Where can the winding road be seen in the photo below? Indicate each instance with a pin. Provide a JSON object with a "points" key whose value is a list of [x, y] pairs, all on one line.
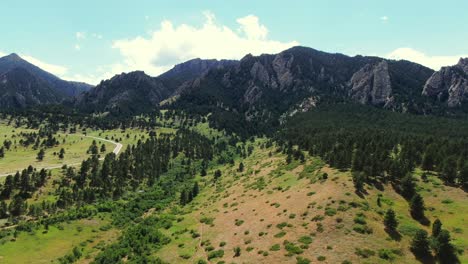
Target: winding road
{"points": [[117, 149]]}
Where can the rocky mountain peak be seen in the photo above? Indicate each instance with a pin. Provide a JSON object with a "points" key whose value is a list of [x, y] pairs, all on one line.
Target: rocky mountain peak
{"points": [[449, 84], [463, 64], [13, 57]]}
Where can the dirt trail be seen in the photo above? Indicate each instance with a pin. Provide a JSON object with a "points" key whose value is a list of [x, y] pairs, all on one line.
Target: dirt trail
{"points": [[117, 149]]}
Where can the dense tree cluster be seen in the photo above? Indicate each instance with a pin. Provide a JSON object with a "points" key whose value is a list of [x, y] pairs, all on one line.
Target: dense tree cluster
{"points": [[382, 145]]}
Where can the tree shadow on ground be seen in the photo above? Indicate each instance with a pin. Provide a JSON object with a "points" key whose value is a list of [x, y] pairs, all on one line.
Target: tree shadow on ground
{"points": [[394, 234]]}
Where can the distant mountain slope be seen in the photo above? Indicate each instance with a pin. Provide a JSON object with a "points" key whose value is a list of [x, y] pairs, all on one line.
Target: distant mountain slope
{"points": [[19, 89], [265, 87], [126, 93], [43, 81], [136, 92], [192, 69]]}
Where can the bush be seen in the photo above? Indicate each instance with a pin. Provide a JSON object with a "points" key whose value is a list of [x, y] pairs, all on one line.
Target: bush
{"points": [[305, 240], [280, 234], [216, 254], [386, 254], [275, 247], [364, 252], [292, 248], [330, 211], [301, 260], [362, 229]]}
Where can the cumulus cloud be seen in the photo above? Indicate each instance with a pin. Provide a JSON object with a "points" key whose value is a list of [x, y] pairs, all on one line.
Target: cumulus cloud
{"points": [[80, 35], [434, 62], [77, 47], [384, 18], [98, 36], [172, 44], [55, 69]]}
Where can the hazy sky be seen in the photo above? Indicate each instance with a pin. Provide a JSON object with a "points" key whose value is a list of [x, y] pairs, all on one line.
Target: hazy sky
{"points": [[90, 40]]}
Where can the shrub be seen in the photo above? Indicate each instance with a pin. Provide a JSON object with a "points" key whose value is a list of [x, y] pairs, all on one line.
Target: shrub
{"points": [[301, 260], [364, 252], [216, 254], [237, 251], [386, 254], [362, 229], [280, 234], [305, 240], [330, 211], [275, 247], [292, 248], [239, 222]]}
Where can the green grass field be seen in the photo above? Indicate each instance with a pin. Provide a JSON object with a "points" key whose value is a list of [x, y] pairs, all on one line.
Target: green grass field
{"points": [[59, 240], [20, 157]]}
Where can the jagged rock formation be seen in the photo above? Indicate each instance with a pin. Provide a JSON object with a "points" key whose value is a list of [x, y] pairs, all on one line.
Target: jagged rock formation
{"points": [[372, 85], [450, 84], [268, 86]]}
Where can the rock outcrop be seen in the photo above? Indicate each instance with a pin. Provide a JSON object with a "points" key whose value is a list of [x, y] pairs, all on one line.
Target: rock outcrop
{"points": [[372, 85], [450, 84]]}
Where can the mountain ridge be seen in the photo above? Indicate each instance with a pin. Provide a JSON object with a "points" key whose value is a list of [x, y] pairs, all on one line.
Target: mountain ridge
{"points": [[57, 88]]}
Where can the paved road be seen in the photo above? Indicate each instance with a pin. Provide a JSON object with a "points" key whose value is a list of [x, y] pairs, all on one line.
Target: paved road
{"points": [[117, 149]]}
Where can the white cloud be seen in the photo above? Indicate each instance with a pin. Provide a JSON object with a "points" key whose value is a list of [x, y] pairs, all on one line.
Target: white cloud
{"points": [[384, 18], [98, 36], [2, 54], [252, 28], [80, 35], [77, 47], [171, 44], [52, 68], [434, 62]]}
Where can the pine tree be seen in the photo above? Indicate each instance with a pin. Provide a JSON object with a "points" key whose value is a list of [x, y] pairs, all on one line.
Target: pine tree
{"points": [[241, 167], [417, 206], [463, 175], [217, 175], [3, 209], [61, 153], [103, 148], [2, 152], [436, 228], [445, 251], [420, 243], [408, 186], [358, 180], [449, 170], [195, 189], [40, 155], [390, 221]]}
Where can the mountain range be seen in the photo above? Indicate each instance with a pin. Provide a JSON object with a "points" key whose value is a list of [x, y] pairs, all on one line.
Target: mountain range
{"points": [[23, 84], [265, 87]]}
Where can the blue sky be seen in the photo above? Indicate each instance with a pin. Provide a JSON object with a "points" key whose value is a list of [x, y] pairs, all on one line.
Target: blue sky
{"points": [[91, 40]]}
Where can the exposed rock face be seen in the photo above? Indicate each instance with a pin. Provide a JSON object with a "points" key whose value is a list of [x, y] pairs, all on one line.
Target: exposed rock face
{"points": [[450, 84], [372, 85], [268, 86]]}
